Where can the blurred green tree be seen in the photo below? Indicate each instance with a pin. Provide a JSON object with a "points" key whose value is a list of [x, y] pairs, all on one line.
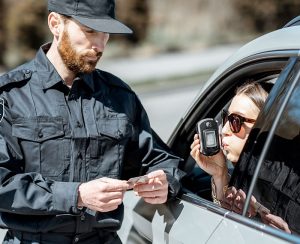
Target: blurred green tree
{"points": [[262, 16], [2, 32], [167, 23], [135, 13], [26, 22], [26, 25]]}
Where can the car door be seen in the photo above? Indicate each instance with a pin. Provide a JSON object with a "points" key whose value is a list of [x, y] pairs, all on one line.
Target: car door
{"points": [[177, 221]]}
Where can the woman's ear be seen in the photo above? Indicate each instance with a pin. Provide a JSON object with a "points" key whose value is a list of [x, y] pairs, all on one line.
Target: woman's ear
{"points": [[54, 23]]}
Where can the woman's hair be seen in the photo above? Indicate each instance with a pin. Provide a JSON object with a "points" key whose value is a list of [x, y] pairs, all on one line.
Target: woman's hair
{"points": [[256, 93]]}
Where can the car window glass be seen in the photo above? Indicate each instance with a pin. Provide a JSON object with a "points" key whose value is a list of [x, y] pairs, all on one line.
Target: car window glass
{"points": [[278, 184]]}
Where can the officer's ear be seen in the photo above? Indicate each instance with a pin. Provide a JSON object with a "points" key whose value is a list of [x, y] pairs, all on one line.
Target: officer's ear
{"points": [[55, 24]]}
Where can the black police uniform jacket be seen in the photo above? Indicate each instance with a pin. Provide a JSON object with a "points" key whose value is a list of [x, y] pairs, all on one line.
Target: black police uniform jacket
{"points": [[52, 138]]}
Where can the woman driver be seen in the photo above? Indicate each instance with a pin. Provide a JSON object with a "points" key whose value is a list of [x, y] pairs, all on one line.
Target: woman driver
{"points": [[237, 124]]}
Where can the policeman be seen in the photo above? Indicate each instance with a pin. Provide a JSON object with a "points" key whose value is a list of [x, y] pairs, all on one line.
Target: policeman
{"points": [[72, 135]]}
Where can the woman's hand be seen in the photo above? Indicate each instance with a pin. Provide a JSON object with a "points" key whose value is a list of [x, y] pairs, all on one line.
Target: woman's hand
{"points": [[235, 200], [276, 222], [214, 165]]}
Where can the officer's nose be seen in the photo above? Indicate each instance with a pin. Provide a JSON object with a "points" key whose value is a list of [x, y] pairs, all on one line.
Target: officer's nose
{"points": [[100, 41]]}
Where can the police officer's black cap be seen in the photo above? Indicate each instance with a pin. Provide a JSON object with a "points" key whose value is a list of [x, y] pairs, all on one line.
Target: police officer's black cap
{"points": [[98, 15]]}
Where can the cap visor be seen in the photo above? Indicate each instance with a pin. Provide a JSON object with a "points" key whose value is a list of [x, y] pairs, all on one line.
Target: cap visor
{"points": [[107, 25]]}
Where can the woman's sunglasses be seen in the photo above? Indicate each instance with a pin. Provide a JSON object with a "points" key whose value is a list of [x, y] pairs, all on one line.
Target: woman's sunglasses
{"points": [[235, 121]]}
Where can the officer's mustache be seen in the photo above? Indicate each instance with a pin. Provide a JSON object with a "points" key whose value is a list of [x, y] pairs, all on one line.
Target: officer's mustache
{"points": [[93, 54]]}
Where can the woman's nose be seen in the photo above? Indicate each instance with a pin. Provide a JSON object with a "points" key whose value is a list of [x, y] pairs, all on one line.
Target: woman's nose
{"points": [[226, 129]]}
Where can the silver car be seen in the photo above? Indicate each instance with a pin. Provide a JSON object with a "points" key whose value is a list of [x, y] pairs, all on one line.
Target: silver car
{"points": [[268, 168]]}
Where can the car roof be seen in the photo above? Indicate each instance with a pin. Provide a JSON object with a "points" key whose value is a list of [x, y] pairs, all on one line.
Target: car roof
{"points": [[279, 40], [285, 39]]}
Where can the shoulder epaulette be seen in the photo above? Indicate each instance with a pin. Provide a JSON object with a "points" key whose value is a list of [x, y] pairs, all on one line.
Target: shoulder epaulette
{"points": [[113, 80], [15, 76]]}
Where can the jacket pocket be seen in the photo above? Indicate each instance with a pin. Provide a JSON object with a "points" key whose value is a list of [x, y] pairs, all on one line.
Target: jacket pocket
{"points": [[117, 128], [107, 148], [38, 129], [44, 147]]}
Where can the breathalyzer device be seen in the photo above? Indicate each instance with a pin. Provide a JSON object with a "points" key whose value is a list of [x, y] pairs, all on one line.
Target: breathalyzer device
{"points": [[208, 132]]}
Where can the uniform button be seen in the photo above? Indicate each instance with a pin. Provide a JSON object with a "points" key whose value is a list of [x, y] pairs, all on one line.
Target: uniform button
{"points": [[76, 239], [40, 134], [79, 124], [27, 73], [82, 217], [119, 133]]}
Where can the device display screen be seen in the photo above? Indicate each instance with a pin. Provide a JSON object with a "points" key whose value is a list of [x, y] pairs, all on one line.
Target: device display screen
{"points": [[210, 138]]}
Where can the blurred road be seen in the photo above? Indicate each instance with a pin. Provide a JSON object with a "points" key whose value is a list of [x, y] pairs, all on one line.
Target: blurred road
{"points": [[167, 100], [166, 107], [164, 66]]}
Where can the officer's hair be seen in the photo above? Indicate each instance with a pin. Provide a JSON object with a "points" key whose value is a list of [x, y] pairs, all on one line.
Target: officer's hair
{"points": [[65, 18]]}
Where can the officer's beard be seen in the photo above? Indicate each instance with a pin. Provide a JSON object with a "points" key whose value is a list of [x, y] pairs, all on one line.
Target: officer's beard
{"points": [[74, 61]]}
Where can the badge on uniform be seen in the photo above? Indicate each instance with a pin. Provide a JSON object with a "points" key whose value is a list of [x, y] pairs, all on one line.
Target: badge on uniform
{"points": [[1, 109]]}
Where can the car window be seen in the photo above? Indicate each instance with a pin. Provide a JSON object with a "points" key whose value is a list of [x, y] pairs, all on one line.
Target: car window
{"points": [[277, 186]]}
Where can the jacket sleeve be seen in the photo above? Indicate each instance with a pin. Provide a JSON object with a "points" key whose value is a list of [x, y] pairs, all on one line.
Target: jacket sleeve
{"points": [[148, 153], [28, 193]]}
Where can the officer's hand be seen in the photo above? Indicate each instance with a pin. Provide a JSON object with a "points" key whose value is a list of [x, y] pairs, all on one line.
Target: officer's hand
{"points": [[155, 191], [104, 194]]}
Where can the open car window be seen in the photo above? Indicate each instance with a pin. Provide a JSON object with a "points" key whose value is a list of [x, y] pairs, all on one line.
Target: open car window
{"points": [[202, 187], [198, 181], [278, 194]]}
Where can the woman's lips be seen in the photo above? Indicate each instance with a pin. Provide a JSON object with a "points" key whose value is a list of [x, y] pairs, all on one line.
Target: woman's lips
{"points": [[224, 145]]}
